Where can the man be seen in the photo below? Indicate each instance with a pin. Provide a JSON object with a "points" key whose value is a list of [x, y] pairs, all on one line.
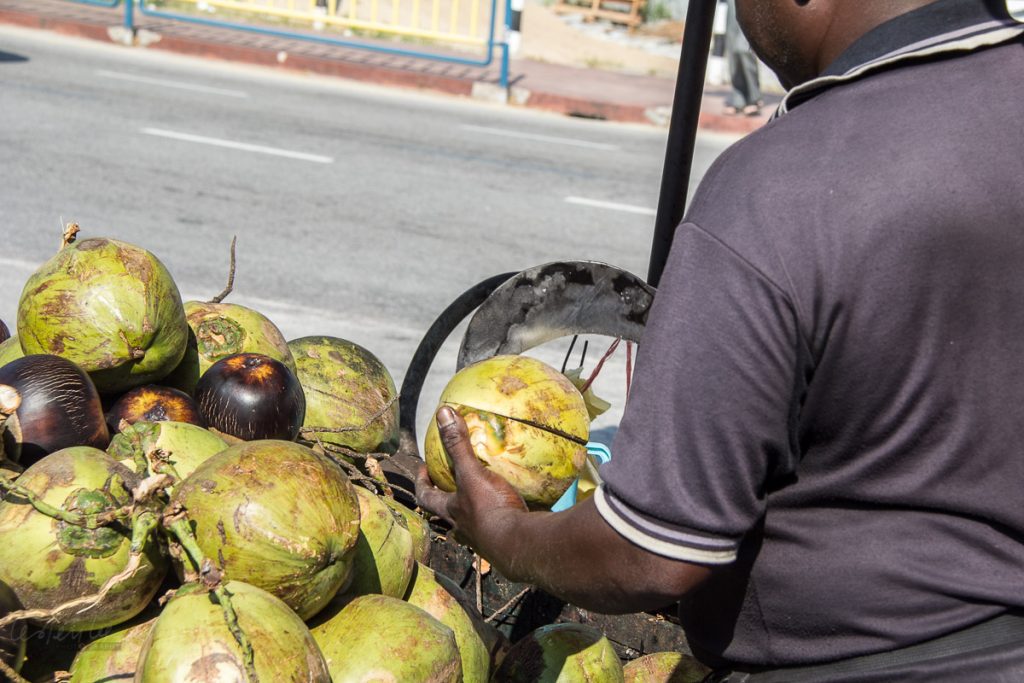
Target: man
{"points": [[745, 96], [821, 457]]}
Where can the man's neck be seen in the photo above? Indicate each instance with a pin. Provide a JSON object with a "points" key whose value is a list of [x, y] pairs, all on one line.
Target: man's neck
{"points": [[852, 20]]}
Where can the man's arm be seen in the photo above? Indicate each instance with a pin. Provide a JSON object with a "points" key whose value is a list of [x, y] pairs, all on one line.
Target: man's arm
{"points": [[574, 555]]}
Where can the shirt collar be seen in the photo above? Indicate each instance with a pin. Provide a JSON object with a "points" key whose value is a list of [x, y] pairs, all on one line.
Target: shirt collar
{"points": [[939, 21], [938, 29]]}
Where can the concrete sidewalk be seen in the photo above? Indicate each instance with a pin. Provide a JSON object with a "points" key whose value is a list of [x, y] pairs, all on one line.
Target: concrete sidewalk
{"points": [[585, 92]]}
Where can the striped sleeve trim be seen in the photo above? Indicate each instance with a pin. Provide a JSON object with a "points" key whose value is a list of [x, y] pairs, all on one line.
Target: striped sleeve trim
{"points": [[660, 539]]}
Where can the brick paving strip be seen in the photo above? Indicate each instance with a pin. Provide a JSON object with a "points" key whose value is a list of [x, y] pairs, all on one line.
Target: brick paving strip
{"points": [[588, 93]]}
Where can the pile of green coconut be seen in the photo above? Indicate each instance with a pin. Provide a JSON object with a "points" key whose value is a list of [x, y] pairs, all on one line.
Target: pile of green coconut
{"points": [[185, 495]]}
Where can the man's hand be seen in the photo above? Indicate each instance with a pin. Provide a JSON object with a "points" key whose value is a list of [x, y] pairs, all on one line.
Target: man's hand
{"points": [[574, 555], [483, 504]]}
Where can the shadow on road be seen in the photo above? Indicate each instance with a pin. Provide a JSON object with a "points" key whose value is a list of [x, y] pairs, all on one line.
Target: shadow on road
{"points": [[11, 57]]}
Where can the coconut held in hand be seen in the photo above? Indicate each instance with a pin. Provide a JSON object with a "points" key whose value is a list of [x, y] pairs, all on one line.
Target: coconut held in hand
{"points": [[110, 307], [526, 421]]}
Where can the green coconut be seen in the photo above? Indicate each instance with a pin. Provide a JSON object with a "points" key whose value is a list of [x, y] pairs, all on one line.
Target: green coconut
{"points": [[108, 306], [665, 667], [219, 330], [417, 526], [380, 638], [48, 563], [561, 653], [347, 388], [494, 640], [12, 636], [10, 350], [429, 595], [384, 559], [113, 656], [191, 640], [181, 445], [276, 515], [519, 412]]}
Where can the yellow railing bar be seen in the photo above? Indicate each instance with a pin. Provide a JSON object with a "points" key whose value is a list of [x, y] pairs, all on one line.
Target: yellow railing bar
{"points": [[415, 13], [453, 20], [356, 23], [474, 16], [373, 11], [435, 16]]}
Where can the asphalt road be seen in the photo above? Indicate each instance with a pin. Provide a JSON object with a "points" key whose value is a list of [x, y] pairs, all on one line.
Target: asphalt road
{"points": [[360, 212]]}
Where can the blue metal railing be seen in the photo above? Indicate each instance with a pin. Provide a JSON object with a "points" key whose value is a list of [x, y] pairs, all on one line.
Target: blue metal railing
{"points": [[99, 3], [491, 44]]}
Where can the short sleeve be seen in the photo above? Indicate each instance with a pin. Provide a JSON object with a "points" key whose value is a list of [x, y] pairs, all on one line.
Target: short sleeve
{"points": [[708, 420]]}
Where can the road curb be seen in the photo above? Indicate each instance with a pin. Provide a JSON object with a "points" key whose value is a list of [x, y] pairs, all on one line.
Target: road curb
{"points": [[477, 86], [77, 29]]}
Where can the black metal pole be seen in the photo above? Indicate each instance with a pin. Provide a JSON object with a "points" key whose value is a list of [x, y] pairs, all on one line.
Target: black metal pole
{"points": [[682, 131]]}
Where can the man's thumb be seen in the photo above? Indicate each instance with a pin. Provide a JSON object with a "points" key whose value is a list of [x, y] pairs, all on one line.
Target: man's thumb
{"points": [[455, 438]]}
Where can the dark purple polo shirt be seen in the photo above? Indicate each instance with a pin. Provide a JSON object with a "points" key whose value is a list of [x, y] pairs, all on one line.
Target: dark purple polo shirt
{"points": [[829, 396]]}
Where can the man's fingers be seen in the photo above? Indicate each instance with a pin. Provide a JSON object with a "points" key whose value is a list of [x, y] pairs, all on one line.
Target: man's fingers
{"points": [[455, 438], [429, 497]]}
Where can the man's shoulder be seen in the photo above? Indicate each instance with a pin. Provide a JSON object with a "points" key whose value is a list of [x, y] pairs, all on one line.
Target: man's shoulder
{"points": [[758, 178], [862, 141]]}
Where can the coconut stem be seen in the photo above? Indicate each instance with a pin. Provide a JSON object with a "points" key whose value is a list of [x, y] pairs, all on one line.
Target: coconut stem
{"points": [[478, 565], [143, 527], [337, 454], [508, 605], [69, 235], [223, 597], [178, 525], [93, 521], [341, 430], [157, 460], [10, 673], [231, 276]]}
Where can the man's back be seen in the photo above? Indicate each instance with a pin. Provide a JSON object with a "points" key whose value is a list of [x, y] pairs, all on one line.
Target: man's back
{"points": [[863, 259], [897, 232]]}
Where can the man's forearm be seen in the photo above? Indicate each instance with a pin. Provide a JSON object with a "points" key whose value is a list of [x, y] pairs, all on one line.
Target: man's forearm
{"points": [[575, 555]]}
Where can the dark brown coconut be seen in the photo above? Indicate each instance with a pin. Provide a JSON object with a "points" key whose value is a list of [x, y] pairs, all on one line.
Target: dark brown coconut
{"points": [[5, 333], [252, 396], [60, 407], [152, 403]]}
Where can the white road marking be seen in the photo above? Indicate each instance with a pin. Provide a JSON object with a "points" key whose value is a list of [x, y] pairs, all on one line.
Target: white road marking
{"points": [[171, 84], [244, 146], [19, 263], [613, 206], [284, 313], [540, 138]]}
